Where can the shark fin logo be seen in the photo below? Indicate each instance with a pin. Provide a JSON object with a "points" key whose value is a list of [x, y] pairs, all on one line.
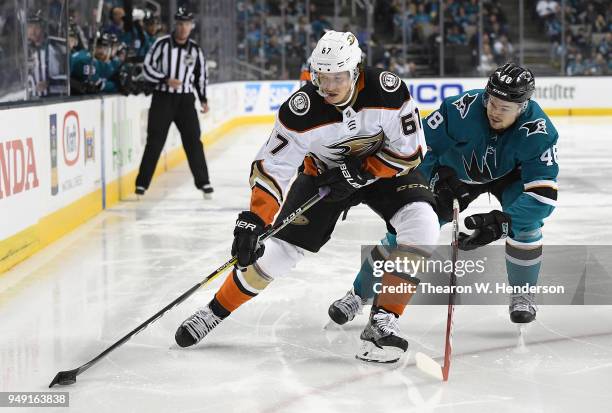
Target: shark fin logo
{"points": [[475, 172], [463, 104], [536, 126]]}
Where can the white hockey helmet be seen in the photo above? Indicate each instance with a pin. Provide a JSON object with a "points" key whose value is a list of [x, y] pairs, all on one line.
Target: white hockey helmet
{"points": [[336, 52]]}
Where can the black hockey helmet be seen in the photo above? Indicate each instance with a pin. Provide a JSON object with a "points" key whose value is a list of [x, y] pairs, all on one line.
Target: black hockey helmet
{"points": [[36, 17], [105, 40], [511, 83], [183, 14]]}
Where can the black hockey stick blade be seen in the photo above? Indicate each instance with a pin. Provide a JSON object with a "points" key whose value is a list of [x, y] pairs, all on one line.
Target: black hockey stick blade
{"points": [[65, 378], [69, 376]]}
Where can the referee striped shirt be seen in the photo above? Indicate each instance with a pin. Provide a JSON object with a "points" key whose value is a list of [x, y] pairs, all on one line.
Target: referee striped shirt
{"points": [[168, 60]]}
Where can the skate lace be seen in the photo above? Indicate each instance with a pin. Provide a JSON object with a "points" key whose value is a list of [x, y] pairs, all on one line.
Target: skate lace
{"points": [[201, 323], [524, 302], [387, 323], [350, 304]]}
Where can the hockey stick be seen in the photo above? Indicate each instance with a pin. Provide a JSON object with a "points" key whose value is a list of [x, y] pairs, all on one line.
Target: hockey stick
{"points": [[69, 376], [423, 361]]}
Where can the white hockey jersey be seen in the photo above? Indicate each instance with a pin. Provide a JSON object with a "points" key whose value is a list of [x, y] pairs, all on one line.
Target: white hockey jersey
{"points": [[381, 125]]}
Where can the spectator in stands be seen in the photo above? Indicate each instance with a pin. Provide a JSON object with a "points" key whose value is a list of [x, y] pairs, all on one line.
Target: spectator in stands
{"points": [[422, 16], [588, 16], [403, 21], [487, 61], [600, 25], [599, 66], [502, 50], [546, 9], [116, 24], [605, 45], [577, 66], [461, 19], [402, 69], [319, 26], [553, 28], [455, 36]]}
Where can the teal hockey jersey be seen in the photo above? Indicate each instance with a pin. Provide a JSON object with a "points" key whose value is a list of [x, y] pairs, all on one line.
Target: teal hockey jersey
{"points": [[458, 136]]}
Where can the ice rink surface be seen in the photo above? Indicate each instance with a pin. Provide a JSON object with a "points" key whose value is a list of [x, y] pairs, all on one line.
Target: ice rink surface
{"points": [[72, 300]]}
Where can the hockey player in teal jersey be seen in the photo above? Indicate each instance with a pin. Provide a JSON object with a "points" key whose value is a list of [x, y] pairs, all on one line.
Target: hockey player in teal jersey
{"points": [[495, 140], [91, 74]]}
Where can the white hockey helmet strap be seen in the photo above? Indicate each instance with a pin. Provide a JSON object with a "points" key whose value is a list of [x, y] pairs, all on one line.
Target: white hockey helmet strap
{"points": [[336, 52]]}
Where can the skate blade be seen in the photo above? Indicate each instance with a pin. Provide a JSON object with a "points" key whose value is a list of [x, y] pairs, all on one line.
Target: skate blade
{"points": [[521, 347], [329, 325], [372, 353]]}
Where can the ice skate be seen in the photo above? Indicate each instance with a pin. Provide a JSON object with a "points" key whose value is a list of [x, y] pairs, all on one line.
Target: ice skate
{"points": [[522, 308], [344, 309], [381, 340], [196, 327]]}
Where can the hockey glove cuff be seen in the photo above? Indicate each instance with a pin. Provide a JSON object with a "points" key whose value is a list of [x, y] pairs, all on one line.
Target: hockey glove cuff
{"points": [[487, 228]]}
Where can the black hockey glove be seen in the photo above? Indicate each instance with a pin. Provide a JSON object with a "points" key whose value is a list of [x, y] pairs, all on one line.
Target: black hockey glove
{"points": [[249, 226], [446, 187], [344, 180], [487, 228]]}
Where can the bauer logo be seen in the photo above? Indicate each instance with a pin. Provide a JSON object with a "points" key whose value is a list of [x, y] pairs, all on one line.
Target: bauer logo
{"points": [[71, 138], [250, 96], [279, 92]]}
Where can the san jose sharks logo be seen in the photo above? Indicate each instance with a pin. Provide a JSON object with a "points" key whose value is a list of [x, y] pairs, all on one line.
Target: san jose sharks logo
{"points": [[476, 172], [536, 126], [463, 104]]}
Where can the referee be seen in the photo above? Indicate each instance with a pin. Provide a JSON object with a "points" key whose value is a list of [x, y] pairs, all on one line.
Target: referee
{"points": [[176, 65]]}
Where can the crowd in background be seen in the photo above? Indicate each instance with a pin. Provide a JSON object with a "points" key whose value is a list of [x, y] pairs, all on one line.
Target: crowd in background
{"points": [[588, 38], [98, 56], [273, 35]]}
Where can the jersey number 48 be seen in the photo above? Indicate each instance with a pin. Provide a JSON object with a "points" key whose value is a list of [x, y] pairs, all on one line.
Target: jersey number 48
{"points": [[550, 156]]}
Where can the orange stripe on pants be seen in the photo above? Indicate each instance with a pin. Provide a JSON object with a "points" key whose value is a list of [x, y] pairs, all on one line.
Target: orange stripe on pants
{"points": [[395, 293], [230, 296]]}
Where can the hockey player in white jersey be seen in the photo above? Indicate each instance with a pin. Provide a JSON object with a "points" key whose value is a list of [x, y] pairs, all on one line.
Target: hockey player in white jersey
{"points": [[357, 131]]}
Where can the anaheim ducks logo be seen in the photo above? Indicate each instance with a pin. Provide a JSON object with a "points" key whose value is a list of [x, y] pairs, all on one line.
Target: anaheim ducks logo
{"points": [[299, 103], [359, 146], [390, 81], [350, 39], [300, 220]]}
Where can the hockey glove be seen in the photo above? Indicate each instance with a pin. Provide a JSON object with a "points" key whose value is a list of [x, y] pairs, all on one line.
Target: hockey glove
{"points": [[249, 226], [446, 187], [487, 228], [344, 180]]}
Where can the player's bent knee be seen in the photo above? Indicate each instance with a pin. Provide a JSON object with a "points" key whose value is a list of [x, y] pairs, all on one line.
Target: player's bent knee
{"points": [[416, 224], [254, 279], [279, 258]]}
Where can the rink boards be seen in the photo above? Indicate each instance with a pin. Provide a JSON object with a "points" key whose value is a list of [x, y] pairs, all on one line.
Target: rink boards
{"points": [[61, 164]]}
